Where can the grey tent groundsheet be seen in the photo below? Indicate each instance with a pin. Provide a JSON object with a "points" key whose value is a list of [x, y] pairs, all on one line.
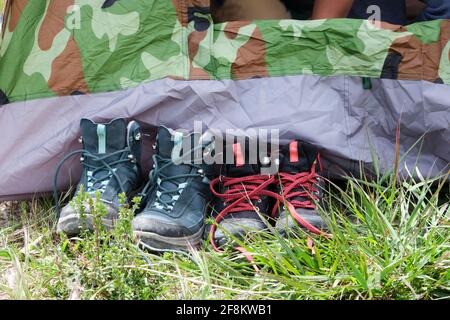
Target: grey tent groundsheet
{"points": [[351, 125]]}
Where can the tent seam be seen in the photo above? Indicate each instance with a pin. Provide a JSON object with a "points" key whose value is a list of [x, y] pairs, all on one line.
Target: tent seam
{"points": [[106, 89]]}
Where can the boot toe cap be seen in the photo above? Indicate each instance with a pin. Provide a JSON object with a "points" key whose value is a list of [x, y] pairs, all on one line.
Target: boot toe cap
{"points": [[286, 222], [237, 228], [71, 223], [160, 225]]}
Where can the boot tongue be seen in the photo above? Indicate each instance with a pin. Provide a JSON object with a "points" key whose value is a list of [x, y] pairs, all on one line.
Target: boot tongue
{"points": [[104, 138], [170, 145], [242, 166], [165, 142], [235, 171], [297, 157]]}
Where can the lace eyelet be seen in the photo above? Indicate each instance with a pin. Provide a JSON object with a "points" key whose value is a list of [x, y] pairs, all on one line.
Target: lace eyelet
{"points": [[138, 136]]}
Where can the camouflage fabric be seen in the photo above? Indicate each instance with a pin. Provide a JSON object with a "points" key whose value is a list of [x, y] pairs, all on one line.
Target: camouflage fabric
{"points": [[69, 47]]}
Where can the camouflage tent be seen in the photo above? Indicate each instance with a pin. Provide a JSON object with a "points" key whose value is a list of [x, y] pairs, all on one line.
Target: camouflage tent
{"points": [[345, 85]]}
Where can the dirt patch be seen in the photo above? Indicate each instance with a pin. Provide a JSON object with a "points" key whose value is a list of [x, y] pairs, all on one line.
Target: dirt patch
{"points": [[9, 211]]}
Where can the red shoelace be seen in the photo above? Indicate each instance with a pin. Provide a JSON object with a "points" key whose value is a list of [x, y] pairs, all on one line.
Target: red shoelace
{"points": [[304, 185], [238, 196], [242, 191]]}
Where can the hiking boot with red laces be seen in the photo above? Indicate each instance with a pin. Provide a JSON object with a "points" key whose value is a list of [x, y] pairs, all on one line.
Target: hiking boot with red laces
{"points": [[300, 185], [242, 198]]}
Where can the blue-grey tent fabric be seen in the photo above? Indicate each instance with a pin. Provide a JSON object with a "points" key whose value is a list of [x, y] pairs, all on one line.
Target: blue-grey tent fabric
{"points": [[353, 127]]}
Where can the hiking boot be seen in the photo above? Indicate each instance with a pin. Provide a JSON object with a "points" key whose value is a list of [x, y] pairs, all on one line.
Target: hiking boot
{"points": [[111, 165], [177, 195], [299, 184], [242, 197]]}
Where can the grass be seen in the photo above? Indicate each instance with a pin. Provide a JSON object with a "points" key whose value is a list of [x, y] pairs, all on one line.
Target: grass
{"points": [[390, 241]]}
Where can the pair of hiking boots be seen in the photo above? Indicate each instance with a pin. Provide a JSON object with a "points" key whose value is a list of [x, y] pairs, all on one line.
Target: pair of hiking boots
{"points": [[183, 191]]}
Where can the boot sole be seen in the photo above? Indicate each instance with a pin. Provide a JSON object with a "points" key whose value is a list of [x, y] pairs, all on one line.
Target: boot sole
{"points": [[167, 243], [72, 224]]}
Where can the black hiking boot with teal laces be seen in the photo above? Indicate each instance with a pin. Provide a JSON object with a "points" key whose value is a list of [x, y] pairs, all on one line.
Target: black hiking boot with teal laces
{"points": [[177, 195], [110, 159], [300, 184]]}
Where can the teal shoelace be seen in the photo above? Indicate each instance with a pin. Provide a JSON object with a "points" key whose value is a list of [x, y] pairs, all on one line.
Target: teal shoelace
{"points": [[100, 163], [165, 198]]}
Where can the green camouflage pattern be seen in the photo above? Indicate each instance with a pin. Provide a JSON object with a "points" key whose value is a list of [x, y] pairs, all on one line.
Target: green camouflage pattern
{"points": [[66, 47]]}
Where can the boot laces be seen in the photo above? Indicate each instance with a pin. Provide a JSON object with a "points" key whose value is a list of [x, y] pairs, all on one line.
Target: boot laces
{"points": [[101, 170], [239, 196], [300, 189], [159, 182], [99, 163], [242, 191]]}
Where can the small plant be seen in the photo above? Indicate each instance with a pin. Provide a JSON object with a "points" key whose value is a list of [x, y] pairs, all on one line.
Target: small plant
{"points": [[388, 243], [108, 262]]}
